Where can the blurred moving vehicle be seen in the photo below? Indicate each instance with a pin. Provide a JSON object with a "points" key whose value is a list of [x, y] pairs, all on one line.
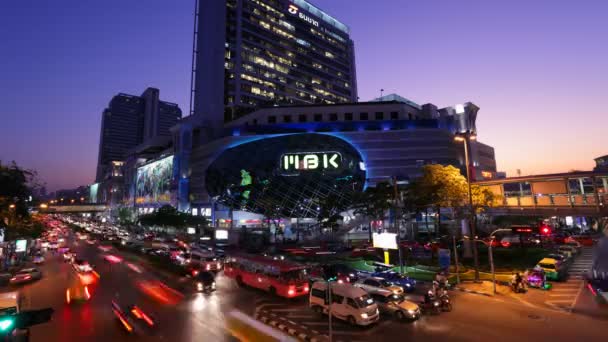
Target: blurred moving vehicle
{"points": [[82, 266], [377, 283], [132, 318], [77, 293], [26, 275], [348, 303], [68, 256], [395, 305], [38, 258], [204, 282]]}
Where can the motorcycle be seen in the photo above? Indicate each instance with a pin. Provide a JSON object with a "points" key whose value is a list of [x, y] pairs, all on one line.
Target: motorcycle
{"points": [[446, 303], [518, 287], [431, 305]]}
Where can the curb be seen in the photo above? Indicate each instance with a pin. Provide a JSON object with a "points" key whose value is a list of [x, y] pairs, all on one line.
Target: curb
{"points": [[284, 328]]}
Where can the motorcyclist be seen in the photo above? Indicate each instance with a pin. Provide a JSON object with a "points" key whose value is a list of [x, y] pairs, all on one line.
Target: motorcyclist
{"points": [[429, 296], [516, 281]]}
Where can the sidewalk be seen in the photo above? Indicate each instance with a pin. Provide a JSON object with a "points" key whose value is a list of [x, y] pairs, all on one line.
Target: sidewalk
{"points": [[484, 288]]}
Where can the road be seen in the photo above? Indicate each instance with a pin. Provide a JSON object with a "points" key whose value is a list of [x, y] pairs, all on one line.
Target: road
{"points": [[201, 317], [194, 317]]}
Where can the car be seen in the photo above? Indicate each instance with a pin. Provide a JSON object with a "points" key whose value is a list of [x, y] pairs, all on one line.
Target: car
{"points": [[341, 272], [567, 250], [576, 245], [38, 259], [585, 240], [553, 269], [68, 256], [376, 283], [25, 275], [204, 282], [82, 266], [77, 292], [395, 305], [348, 302], [407, 283], [561, 258]]}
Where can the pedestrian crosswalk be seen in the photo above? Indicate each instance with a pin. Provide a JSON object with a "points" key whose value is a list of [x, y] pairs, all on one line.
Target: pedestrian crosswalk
{"points": [[563, 295], [581, 264]]}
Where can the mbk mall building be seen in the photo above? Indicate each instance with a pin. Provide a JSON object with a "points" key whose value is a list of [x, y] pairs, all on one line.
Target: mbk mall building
{"points": [[276, 123]]}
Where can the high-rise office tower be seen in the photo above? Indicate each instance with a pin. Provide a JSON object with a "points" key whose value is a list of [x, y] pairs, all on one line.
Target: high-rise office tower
{"points": [[129, 121], [253, 53]]}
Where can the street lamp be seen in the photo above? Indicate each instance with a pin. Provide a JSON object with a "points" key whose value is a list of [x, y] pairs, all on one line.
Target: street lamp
{"points": [[492, 255], [466, 138], [490, 251]]}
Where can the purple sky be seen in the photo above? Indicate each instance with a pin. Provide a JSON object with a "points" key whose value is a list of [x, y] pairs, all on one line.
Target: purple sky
{"points": [[537, 69]]}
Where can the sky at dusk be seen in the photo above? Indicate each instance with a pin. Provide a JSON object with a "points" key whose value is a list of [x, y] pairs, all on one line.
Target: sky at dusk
{"points": [[537, 69]]}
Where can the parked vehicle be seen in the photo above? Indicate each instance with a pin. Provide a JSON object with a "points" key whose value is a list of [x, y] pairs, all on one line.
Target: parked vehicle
{"points": [[348, 303]]}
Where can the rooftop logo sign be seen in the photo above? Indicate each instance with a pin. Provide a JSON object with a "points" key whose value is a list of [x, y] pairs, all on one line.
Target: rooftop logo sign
{"points": [[309, 161], [293, 9]]}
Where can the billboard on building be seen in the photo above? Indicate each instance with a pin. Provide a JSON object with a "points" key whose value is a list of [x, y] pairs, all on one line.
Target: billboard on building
{"points": [[154, 183], [93, 188]]}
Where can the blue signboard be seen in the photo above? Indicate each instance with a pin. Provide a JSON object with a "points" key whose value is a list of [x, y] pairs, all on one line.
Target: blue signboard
{"points": [[444, 258]]}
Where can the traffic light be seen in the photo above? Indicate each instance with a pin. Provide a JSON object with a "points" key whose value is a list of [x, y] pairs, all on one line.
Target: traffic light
{"points": [[7, 324], [545, 230]]}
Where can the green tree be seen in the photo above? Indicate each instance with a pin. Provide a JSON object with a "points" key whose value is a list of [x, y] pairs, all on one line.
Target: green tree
{"points": [[168, 216], [14, 192], [373, 203]]}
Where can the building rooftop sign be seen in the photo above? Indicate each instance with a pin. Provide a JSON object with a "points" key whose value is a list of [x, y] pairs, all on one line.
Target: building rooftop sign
{"points": [[326, 18]]}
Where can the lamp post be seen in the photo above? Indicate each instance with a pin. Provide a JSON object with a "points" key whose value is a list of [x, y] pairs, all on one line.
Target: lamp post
{"points": [[492, 256], [456, 260], [466, 138]]}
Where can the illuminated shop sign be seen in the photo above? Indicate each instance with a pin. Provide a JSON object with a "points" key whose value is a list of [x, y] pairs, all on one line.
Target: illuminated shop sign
{"points": [[293, 9], [305, 161]]}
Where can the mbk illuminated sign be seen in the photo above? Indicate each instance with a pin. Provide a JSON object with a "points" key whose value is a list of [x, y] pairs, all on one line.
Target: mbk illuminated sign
{"points": [[293, 9], [311, 161]]}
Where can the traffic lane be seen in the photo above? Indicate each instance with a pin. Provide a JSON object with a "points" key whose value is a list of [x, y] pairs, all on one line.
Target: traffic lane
{"points": [[90, 320], [195, 316], [479, 318]]}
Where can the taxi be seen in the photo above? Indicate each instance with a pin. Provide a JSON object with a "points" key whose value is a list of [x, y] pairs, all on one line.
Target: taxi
{"points": [[552, 268]]}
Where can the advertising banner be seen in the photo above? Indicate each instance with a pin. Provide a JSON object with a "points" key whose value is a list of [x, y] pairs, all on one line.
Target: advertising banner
{"points": [[385, 240]]}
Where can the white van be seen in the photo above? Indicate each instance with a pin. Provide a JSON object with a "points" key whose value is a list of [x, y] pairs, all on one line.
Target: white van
{"points": [[349, 303]]}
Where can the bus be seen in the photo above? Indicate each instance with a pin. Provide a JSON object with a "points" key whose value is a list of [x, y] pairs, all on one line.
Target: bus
{"points": [[279, 277]]}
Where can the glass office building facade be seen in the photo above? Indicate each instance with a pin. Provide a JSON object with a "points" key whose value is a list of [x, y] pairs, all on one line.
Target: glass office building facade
{"points": [[272, 52]]}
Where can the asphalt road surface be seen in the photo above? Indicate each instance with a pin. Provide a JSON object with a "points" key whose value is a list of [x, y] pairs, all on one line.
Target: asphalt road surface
{"points": [[183, 318], [186, 316]]}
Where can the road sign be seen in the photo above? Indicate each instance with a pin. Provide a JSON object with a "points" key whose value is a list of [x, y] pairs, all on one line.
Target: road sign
{"points": [[444, 258]]}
